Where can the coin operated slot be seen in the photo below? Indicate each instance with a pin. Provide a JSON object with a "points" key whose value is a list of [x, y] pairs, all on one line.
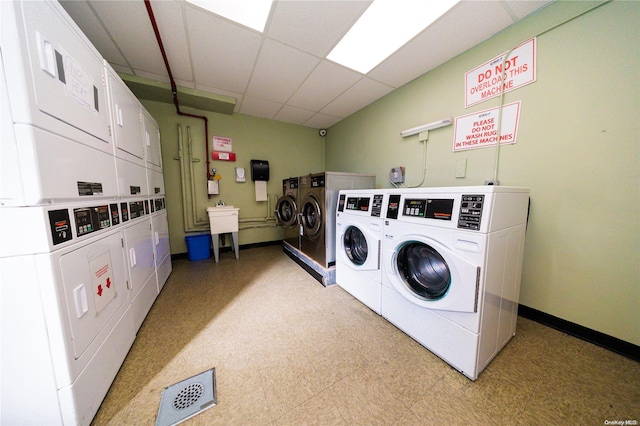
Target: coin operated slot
{"points": [[60, 226]]}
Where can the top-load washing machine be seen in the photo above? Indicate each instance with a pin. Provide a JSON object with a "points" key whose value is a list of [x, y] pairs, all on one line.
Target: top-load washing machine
{"points": [[359, 226], [452, 261], [319, 197], [287, 210]]}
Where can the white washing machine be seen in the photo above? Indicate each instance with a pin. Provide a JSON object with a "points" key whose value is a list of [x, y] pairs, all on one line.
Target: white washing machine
{"points": [[452, 261], [359, 226]]}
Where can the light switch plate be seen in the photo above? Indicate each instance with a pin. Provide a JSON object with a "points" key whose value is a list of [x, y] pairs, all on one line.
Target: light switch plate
{"points": [[461, 168]]}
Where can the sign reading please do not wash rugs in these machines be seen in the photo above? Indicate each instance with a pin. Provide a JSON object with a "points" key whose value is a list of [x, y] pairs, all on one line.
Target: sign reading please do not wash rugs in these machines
{"points": [[482, 129]]}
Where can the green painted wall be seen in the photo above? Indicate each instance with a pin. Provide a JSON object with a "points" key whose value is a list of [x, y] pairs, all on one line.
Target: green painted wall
{"points": [[290, 150], [578, 150]]}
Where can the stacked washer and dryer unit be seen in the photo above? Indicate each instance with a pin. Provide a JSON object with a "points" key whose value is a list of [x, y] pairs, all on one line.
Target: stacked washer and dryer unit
{"points": [[85, 247], [450, 266]]}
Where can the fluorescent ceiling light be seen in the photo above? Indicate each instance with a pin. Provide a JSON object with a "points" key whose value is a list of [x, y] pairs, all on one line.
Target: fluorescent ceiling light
{"points": [[383, 28], [250, 13]]}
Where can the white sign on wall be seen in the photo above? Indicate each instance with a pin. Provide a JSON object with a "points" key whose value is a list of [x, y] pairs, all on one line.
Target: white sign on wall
{"points": [[222, 144], [480, 129], [484, 81]]}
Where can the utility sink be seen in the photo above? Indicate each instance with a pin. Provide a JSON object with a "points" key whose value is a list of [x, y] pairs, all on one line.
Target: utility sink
{"points": [[223, 220]]}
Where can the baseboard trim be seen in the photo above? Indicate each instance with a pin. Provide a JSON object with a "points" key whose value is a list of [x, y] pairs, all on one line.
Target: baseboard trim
{"points": [[597, 338], [228, 248]]}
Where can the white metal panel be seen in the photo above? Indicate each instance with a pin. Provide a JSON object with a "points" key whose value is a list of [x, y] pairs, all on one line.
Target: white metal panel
{"points": [[151, 140], [139, 252], [156, 183], [126, 120], [132, 179], [24, 326], [55, 72], [94, 283]]}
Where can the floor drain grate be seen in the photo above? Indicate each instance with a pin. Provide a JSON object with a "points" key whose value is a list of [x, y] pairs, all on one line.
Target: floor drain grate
{"points": [[187, 398]]}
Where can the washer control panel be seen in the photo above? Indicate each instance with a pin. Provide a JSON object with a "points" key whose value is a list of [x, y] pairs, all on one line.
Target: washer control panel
{"points": [[470, 212]]}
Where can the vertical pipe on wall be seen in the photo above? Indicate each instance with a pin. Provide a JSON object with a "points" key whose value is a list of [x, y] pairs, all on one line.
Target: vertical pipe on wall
{"points": [[174, 87]]}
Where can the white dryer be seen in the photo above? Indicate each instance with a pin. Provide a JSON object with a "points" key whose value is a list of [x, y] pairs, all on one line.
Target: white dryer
{"points": [[452, 260], [65, 310], [359, 225]]}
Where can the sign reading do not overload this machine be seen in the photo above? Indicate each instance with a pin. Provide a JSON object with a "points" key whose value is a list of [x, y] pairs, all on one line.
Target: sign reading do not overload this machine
{"points": [[484, 81]]}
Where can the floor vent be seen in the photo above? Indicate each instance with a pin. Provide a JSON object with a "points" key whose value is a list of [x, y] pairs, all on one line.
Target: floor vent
{"points": [[187, 398]]}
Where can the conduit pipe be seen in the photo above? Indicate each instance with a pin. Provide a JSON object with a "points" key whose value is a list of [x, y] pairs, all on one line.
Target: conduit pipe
{"points": [[174, 88], [504, 74], [191, 223]]}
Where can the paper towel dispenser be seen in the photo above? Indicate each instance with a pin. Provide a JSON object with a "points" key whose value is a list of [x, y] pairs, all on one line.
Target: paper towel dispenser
{"points": [[259, 170]]}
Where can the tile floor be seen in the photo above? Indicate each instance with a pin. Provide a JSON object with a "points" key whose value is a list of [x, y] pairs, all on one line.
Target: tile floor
{"points": [[288, 351]]}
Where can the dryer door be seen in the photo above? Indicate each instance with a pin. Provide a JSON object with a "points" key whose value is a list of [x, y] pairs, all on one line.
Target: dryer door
{"points": [[287, 211], [312, 217]]}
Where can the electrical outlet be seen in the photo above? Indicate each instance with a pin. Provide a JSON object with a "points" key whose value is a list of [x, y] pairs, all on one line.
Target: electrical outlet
{"points": [[396, 175]]}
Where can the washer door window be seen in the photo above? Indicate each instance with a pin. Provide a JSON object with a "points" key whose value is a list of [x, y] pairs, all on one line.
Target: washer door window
{"points": [[355, 245], [311, 217], [286, 211], [423, 270]]}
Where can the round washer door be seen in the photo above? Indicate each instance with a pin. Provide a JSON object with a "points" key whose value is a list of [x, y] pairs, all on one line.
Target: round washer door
{"points": [[423, 270], [355, 245], [311, 216], [286, 211]]}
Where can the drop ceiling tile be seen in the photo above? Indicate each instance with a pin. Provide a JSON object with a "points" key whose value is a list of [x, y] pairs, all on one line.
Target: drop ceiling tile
{"points": [[259, 107], [223, 53], [293, 115], [523, 8], [88, 22], [442, 41], [152, 76], [122, 69], [129, 26], [357, 97], [279, 71], [315, 93], [313, 26], [322, 121], [170, 21]]}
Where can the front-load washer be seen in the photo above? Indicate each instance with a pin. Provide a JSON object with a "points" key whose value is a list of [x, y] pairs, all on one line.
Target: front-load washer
{"points": [[452, 261], [319, 198], [287, 210], [359, 225]]}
